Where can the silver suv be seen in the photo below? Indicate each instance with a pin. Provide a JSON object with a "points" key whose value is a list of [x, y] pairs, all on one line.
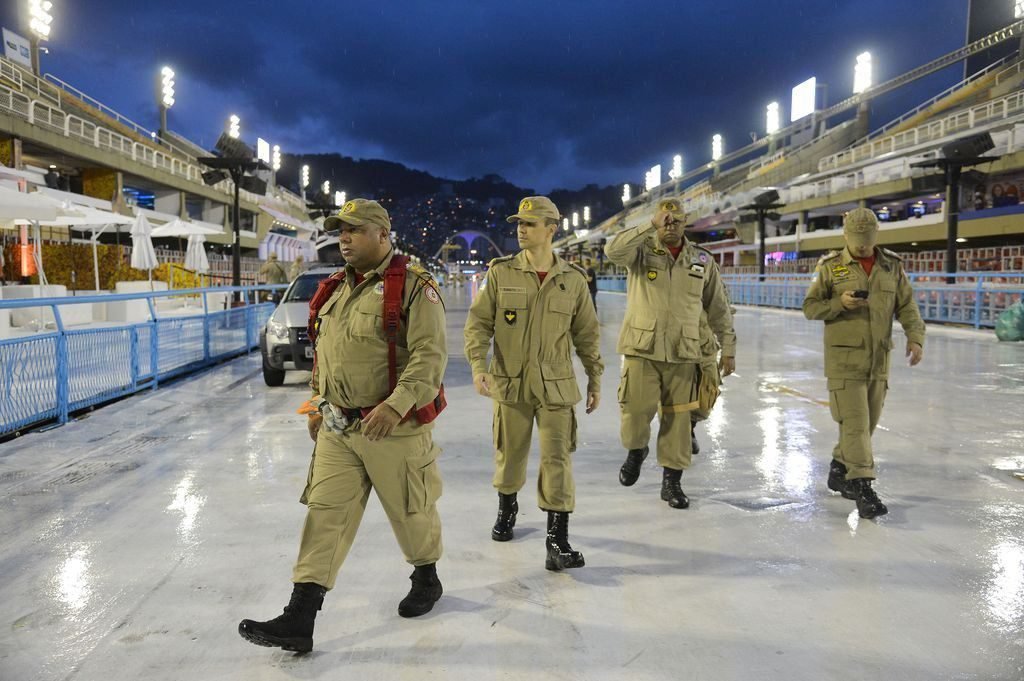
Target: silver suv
{"points": [[284, 343]]}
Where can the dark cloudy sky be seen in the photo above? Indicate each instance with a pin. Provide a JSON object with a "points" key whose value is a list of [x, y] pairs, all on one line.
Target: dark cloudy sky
{"points": [[552, 93]]}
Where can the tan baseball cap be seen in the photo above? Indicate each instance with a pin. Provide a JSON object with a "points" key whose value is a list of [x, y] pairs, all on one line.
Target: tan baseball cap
{"points": [[860, 226], [535, 208], [359, 212]]}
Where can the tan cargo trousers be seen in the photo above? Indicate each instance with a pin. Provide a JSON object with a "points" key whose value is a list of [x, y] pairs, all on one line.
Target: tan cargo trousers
{"points": [[402, 470], [856, 406], [513, 430], [647, 385]]}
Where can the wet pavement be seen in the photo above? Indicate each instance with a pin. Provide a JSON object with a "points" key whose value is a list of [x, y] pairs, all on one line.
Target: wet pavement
{"points": [[134, 540]]}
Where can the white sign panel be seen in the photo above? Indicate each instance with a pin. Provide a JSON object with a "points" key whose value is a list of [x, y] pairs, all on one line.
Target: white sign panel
{"points": [[804, 96], [263, 150], [16, 48]]}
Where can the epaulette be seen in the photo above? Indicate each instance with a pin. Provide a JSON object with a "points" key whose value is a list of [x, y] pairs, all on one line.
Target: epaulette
{"points": [[504, 258], [701, 248], [828, 256], [892, 255], [425, 277], [577, 268]]}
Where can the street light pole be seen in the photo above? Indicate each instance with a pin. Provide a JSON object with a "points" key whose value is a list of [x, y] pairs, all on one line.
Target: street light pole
{"points": [[166, 99], [39, 24], [764, 204], [236, 224]]}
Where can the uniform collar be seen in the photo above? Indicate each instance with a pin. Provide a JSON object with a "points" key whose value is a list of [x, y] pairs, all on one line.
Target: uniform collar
{"points": [[521, 263], [848, 257], [658, 247], [378, 270]]}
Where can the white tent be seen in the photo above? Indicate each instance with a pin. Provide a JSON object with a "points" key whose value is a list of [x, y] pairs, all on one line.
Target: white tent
{"points": [[143, 253]]}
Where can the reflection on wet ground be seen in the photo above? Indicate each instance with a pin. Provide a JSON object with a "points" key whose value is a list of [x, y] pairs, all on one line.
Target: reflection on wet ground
{"points": [[136, 538]]}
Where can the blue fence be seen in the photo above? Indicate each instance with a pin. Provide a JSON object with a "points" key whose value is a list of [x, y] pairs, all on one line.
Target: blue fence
{"points": [[46, 375], [975, 299]]}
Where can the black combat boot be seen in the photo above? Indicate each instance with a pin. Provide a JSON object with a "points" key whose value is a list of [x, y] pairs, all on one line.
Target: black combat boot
{"points": [[671, 491], [508, 507], [837, 480], [868, 504], [560, 555], [293, 629], [694, 445], [426, 589], [630, 470]]}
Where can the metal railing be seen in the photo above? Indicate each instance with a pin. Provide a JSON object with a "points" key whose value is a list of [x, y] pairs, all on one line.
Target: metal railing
{"points": [[976, 299], [47, 375], [970, 80], [967, 119], [49, 114]]}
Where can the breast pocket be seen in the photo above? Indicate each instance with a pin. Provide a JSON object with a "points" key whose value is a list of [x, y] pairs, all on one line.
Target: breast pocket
{"points": [[511, 311], [364, 324], [560, 317], [694, 284]]}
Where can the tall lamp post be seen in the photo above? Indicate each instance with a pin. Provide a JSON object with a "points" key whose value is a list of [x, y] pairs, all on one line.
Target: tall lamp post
{"points": [[166, 98], [236, 161], [957, 155], [717, 150], [304, 181], [764, 206], [39, 25]]}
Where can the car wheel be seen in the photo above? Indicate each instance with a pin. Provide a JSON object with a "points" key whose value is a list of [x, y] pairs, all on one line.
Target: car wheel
{"points": [[271, 376]]}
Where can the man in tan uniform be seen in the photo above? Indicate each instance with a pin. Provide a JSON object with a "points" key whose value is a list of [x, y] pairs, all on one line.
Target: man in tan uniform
{"points": [[297, 268], [273, 272], [367, 438], [671, 282], [857, 292], [536, 307]]}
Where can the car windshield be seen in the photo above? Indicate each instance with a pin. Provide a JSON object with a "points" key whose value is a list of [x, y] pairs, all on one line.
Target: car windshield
{"points": [[304, 287]]}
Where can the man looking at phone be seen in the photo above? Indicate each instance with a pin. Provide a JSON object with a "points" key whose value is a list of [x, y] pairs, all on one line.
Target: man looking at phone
{"points": [[857, 291]]}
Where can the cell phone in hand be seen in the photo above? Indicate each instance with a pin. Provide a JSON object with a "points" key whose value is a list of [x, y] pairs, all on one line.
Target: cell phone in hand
{"points": [[860, 293]]}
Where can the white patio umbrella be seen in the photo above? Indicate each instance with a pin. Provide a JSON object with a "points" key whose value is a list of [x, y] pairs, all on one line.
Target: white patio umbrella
{"points": [[16, 205], [96, 221], [179, 228], [195, 256], [35, 209], [143, 253]]}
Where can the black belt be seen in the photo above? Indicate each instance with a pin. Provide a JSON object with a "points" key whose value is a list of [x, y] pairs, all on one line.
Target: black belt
{"points": [[351, 414]]}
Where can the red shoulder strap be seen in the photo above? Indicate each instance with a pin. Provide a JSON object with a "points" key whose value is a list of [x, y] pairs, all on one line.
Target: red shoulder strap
{"points": [[394, 287], [324, 291]]}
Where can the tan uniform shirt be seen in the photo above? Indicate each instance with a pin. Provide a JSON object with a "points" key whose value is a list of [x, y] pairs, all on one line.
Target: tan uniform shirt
{"points": [[857, 342], [274, 272], [534, 328], [352, 354], [665, 299]]}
